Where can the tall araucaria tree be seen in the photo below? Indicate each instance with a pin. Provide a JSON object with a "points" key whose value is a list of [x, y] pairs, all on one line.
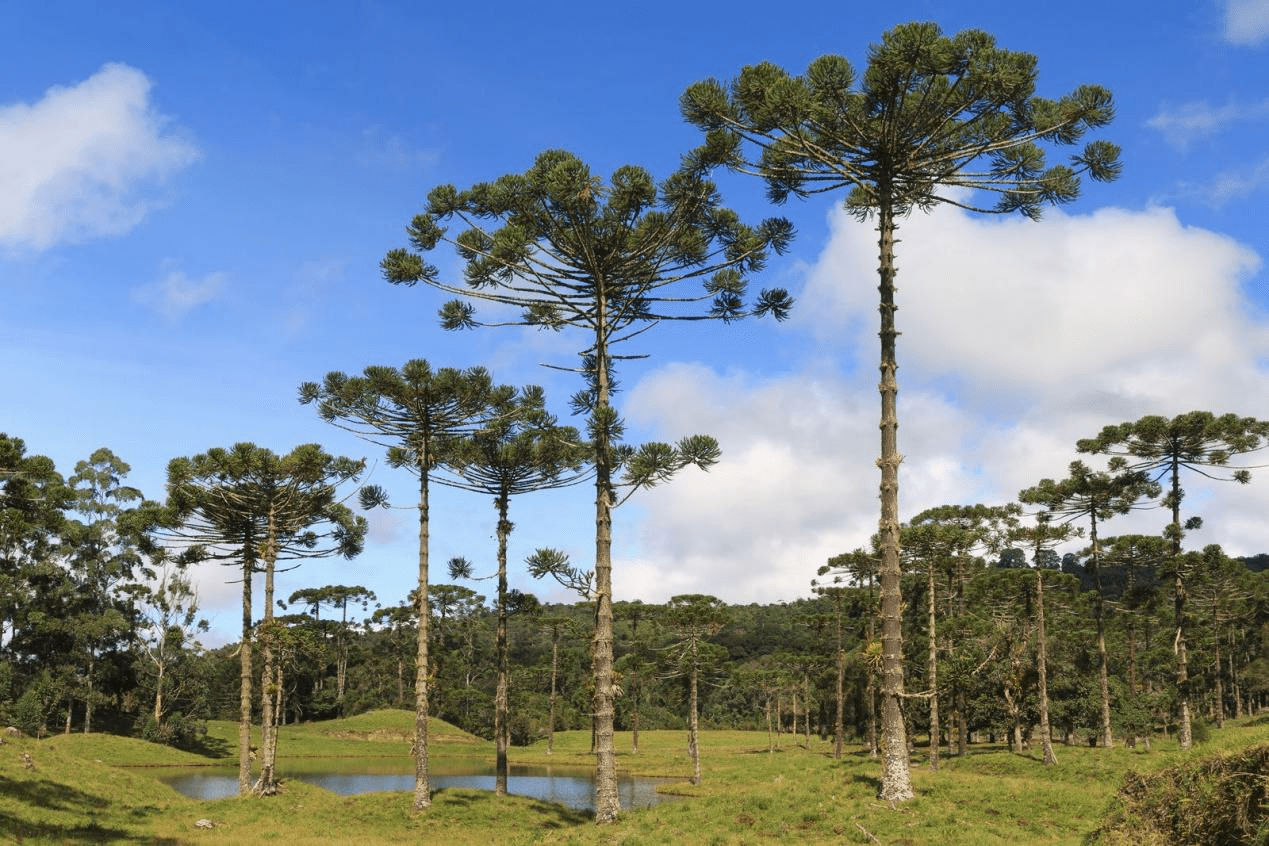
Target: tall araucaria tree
{"points": [[524, 450], [1098, 496], [1203, 443], [947, 537], [1042, 538], [417, 414], [612, 259], [933, 120], [249, 507], [694, 617]]}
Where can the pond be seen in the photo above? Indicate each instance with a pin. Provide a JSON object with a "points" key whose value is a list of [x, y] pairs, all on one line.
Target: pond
{"points": [[570, 786]]}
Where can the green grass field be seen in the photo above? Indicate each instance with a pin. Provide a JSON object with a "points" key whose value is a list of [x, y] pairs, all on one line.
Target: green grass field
{"points": [[103, 789]]}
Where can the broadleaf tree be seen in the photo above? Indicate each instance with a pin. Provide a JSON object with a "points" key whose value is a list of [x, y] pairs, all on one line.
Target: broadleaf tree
{"points": [[934, 120], [565, 249]]}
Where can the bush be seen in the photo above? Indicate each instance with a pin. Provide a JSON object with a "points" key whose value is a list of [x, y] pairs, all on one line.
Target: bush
{"points": [[1218, 800]]}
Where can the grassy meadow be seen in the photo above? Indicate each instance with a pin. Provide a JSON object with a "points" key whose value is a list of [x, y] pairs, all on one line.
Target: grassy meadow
{"points": [[102, 789]]}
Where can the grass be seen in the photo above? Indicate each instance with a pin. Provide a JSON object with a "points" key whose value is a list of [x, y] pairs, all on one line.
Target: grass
{"points": [[99, 789]]}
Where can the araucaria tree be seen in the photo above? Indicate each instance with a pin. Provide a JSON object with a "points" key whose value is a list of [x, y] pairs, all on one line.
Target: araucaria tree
{"points": [[1097, 496], [934, 120], [523, 450], [1200, 442], [417, 414], [611, 259], [249, 507], [694, 617]]}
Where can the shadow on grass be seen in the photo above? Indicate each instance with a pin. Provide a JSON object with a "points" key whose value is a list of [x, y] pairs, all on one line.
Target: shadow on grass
{"points": [[551, 814], [51, 796], [211, 747]]}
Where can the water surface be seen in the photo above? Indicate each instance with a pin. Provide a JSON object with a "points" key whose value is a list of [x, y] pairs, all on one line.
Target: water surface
{"points": [[570, 786]]}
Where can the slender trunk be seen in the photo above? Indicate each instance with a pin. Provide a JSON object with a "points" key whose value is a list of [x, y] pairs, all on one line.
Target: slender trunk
{"points": [[636, 692], [607, 801], [806, 708], [896, 780], [1185, 736], [500, 696], [266, 784], [839, 721], [88, 700], [770, 729], [693, 745], [870, 686], [422, 790], [158, 695], [1042, 667], [932, 665], [555, 665], [1220, 684], [962, 723], [1103, 674], [244, 681]]}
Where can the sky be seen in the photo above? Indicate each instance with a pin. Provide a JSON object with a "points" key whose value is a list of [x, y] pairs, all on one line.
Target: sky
{"points": [[194, 200]]}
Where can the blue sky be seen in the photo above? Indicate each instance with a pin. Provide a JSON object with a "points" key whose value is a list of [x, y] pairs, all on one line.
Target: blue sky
{"points": [[194, 200]]}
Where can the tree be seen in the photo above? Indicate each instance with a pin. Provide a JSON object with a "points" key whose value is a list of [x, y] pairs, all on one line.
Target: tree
{"points": [[1097, 496], [1042, 537], [250, 507], [1198, 441], [416, 414], [169, 627], [336, 597], [104, 550], [523, 450], [947, 536], [934, 120], [612, 260], [694, 617]]}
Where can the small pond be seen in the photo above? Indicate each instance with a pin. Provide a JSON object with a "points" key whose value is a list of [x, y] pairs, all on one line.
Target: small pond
{"points": [[570, 786]]}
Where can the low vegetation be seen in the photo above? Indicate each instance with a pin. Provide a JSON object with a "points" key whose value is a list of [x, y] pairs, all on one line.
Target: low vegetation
{"points": [[98, 788]]}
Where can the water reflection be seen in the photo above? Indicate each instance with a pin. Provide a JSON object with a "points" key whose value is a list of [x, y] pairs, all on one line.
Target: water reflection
{"points": [[568, 786]]}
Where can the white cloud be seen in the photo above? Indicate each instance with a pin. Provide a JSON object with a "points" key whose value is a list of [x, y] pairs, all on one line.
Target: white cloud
{"points": [[1246, 21], [176, 294], [1229, 185], [1189, 122], [73, 164], [1018, 339]]}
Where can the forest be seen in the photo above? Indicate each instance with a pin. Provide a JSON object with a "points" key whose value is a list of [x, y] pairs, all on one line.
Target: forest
{"points": [[101, 633], [1030, 621]]}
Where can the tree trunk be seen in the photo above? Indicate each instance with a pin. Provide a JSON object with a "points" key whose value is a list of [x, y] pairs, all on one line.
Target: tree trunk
{"points": [[555, 664], [422, 790], [1185, 736], [1103, 673], [839, 720], [693, 746], [932, 667], [607, 801], [896, 780], [244, 682], [266, 784], [500, 638], [1042, 668]]}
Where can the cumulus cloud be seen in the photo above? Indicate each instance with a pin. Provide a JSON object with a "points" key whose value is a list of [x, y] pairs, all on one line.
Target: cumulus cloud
{"points": [[1246, 21], [1018, 339], [176, 294], [76, 164]]}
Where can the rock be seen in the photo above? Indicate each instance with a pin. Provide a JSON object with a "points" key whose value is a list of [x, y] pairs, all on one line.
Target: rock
{"points": [[204, 823]]}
